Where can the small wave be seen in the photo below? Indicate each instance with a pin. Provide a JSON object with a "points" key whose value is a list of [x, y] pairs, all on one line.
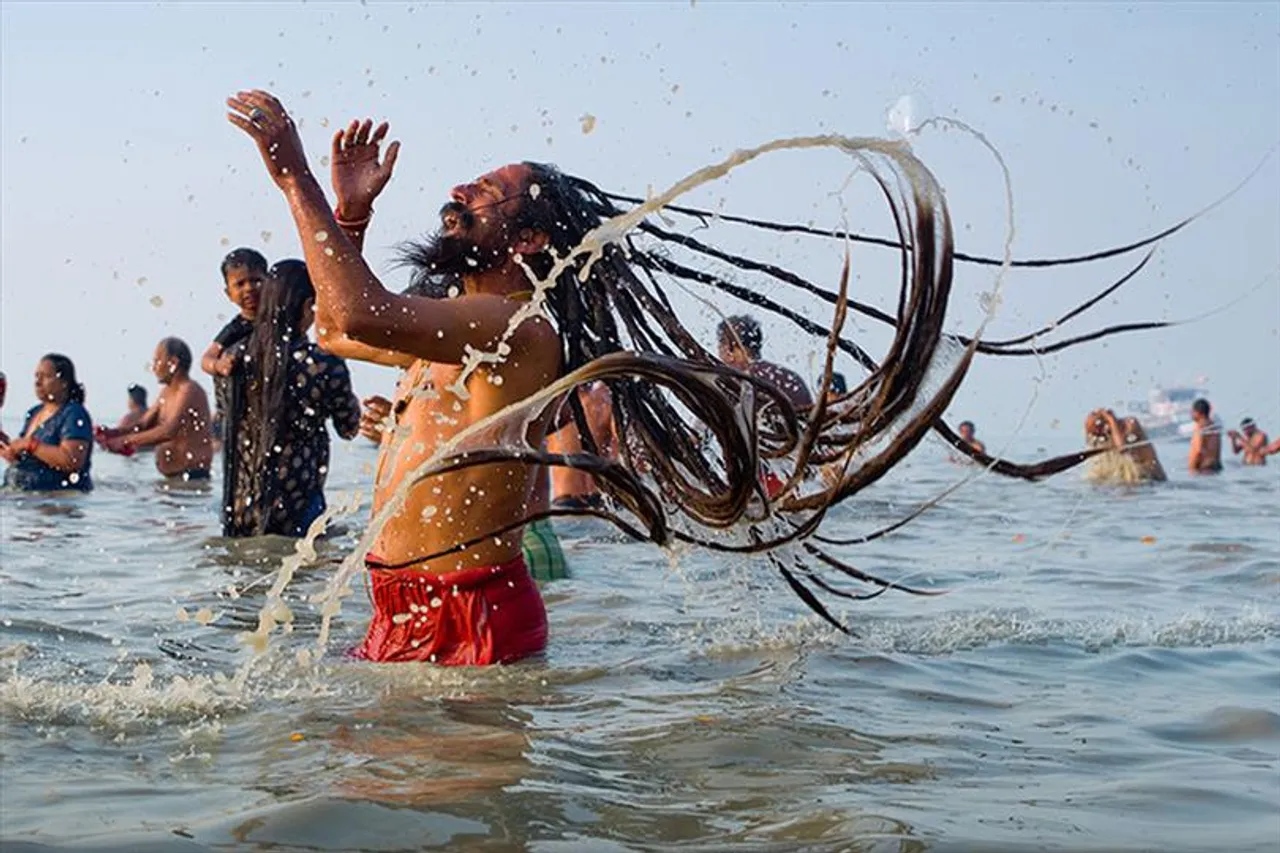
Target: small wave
{"points": [[965, 631], [1224, 725], [119, 705], [142, 699]]}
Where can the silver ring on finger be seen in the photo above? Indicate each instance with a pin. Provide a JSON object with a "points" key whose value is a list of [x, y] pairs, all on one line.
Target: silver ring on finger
{"points": [[256, 115]]}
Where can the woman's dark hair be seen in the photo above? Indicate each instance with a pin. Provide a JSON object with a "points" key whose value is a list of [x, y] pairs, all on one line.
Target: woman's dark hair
{"points": [[276, 334], [249, 259], [66, 371], [138, 395]]}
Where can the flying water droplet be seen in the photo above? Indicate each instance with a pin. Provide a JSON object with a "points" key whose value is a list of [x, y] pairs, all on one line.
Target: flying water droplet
{"points": [[908, 114]]}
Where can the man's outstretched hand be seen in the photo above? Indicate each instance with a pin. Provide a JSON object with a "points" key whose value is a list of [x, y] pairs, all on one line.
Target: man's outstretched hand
{"points": [[261, 116], [358, 177]]}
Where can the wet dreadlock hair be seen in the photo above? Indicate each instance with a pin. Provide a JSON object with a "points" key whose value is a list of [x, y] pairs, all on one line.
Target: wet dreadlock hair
{"points": [[692, 437]]}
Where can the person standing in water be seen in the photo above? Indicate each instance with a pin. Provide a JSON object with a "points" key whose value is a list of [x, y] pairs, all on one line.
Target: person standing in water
{"points": [[448, 579], [572, 488], [242, 273], [1250, 441], [1205, 456], [968, 434], [478, 605], [55, 447], [177, 426], [741, 345], [740, 342], [1132, 458], [274, 479], [137, 408]]}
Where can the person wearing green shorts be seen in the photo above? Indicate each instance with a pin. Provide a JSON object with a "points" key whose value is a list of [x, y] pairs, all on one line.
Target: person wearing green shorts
{"points": [[542, 552]]}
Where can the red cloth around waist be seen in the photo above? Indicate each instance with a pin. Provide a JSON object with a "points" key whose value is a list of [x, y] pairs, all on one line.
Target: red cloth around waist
{"points": [[471, 617]]}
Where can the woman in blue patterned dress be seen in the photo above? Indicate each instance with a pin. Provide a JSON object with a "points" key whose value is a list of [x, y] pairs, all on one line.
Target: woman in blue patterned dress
{"points": [[53, 450]]}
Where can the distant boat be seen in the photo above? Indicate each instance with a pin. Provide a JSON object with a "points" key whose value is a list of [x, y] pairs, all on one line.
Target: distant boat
{"points": [[1167, 411]]}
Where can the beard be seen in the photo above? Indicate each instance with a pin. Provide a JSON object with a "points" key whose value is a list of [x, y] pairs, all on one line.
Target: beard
{"points": [[453, 254], [457, 254], [439, 261]]}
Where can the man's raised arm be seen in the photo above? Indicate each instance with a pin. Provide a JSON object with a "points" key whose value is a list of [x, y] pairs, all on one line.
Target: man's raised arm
{"points": [[350, 301], [359, 175]]}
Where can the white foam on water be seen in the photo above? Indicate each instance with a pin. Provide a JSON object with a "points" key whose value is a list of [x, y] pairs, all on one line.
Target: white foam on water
{"points": [[967, 631], [137, 701]]}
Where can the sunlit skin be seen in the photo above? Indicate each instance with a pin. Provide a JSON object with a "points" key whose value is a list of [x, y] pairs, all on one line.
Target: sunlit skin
{"points": [[598, 407], [1101, 427], [1250, 441], [1205, 455], [176, 425], [356, 317], [969, 436], [53, 392], [244, 287]]}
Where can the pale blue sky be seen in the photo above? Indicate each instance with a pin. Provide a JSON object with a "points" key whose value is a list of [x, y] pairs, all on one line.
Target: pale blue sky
{"points": [[122, 182]]}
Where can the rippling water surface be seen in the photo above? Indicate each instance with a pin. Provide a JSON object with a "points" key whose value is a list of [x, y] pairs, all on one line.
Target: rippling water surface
{"points": [[1104, 674]]}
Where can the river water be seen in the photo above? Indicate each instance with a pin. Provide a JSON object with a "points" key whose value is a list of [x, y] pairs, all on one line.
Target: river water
{"points": [[1103, 674]]}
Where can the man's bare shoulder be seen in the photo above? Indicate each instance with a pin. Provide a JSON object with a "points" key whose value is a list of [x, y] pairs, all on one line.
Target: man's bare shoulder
{"points": [[535, 351], [189, 391]]}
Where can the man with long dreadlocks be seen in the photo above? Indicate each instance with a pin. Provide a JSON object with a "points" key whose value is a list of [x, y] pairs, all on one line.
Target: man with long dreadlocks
{"points": [[433, 601], [557, 290]]}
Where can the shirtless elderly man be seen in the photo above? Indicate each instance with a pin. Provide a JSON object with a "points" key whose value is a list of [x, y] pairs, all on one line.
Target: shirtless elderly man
{"points": [[177, 425], [432, 602]]}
